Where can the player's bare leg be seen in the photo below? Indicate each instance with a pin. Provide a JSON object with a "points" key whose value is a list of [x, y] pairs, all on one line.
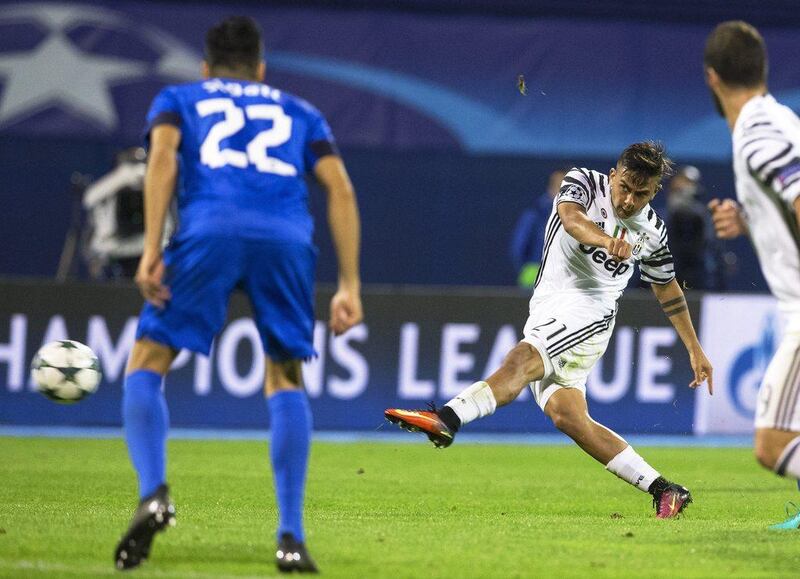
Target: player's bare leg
{"points": [[777, 436], [770, 445], [146, 423], [149, 355], [522, 365], [779, 450], [566, 408], [290, 423], [569, 412]]}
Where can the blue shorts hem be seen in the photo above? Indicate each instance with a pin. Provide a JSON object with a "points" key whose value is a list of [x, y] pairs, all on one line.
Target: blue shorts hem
{"points": [[170, 342], [304, 355]]}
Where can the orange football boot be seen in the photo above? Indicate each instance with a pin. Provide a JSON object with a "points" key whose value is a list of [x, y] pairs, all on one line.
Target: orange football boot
{"points": [[425, 421]]}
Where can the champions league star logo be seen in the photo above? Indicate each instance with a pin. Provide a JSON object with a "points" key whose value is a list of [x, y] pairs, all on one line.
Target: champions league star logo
{"points": [[575, 193], [68, 57]]}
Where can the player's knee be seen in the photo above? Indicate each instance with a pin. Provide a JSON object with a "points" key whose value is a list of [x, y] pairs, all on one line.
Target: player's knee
{"points": [[524, 361], [281, 376], [271, 388], [568, 423], [568, 420], [149, 355], [764, 457], [765, 451]]}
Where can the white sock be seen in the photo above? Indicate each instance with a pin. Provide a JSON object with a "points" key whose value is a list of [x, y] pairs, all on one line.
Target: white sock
{"points": [[475, 402], [631, 467], [789, 462]]}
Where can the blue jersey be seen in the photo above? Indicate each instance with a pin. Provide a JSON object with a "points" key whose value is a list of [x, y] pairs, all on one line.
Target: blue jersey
{"points": [[244, 152]]}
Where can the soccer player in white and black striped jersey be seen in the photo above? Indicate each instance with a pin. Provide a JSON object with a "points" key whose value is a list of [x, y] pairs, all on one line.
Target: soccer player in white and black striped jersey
{"points": [[601, 225], [766, 164]]}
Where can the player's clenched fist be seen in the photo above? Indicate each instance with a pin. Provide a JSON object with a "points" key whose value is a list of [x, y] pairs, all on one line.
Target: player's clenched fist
{"points": [[727, 218], [618, 249]]}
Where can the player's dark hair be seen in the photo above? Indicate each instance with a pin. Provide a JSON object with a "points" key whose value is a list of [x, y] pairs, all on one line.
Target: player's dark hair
{"points": [[645, 160], [737, 53], [234, 44]]}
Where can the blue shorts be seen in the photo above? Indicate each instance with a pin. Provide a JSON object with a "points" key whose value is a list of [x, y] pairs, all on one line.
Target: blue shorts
{"points": [[201, 274]]}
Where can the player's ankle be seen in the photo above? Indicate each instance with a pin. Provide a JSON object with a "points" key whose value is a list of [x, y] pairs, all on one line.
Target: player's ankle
{"points": [[473, 403], [658, 486], [450, 418]]}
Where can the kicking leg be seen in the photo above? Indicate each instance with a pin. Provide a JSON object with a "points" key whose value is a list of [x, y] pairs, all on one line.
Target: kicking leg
{"points": [[568, 410], [522, 365], [290, 424], [145, 417]]}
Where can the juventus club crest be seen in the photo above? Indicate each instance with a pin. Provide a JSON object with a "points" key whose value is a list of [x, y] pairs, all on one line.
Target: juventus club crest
{"points": [[640, 241]]}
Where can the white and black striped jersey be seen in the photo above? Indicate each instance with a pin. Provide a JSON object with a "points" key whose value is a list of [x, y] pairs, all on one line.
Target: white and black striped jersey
{"points": [[570, 267], [766, 163]]}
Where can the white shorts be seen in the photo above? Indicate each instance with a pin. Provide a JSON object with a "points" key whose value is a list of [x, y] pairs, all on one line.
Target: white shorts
{"points": [[779, 395], [570, 335]]}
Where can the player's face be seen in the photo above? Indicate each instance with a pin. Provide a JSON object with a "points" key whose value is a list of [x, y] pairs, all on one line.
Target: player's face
{"points": [[628, 195]]}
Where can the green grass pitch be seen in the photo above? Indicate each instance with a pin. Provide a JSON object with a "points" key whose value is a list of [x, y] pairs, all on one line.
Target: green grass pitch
{"points": [[395, 510]]}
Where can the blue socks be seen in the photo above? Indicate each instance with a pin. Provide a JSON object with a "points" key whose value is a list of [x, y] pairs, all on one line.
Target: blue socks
{"points": [[144, 414], [146, 420], [290, 420]]}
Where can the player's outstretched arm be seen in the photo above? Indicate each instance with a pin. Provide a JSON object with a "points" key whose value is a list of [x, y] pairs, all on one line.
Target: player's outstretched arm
{"points": [[578, 225], [728, 219], [345, 227], [673, 302], [159, 184]]}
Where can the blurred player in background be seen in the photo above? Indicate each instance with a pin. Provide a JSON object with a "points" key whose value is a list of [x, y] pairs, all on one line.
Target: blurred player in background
{"points": [[527, 239], [599, 227], [238, 151], [688, 226], [766, 164]]}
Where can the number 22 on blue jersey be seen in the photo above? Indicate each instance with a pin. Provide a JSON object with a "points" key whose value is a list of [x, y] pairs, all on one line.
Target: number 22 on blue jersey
{"points": [[213, 155]]}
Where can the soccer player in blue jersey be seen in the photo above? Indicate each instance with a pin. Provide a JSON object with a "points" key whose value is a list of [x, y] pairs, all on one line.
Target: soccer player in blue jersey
{"points": [[236, 151]]}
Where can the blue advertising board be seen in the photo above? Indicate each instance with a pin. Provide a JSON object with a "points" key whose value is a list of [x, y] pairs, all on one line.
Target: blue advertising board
{"points": [[414, 346]]}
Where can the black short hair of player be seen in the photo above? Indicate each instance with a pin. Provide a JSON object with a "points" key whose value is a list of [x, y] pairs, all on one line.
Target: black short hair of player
{"points": [[645, 160], [737, 53], [234, 44]]}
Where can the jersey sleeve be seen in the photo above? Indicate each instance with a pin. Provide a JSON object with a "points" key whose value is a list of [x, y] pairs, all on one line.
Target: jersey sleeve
{"points": [[319, 141], [659, 266], [165, 109], [577, 187], [774, 162]]}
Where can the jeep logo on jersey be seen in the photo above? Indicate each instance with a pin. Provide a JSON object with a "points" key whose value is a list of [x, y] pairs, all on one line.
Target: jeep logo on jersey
{"points": [[600, 257]]}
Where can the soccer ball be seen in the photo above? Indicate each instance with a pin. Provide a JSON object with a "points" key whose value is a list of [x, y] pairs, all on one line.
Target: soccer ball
{"points": [[65, 371]]}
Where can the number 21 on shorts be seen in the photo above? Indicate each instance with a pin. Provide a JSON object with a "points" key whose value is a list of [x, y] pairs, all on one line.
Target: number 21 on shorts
{"points": [[548, 323]]}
